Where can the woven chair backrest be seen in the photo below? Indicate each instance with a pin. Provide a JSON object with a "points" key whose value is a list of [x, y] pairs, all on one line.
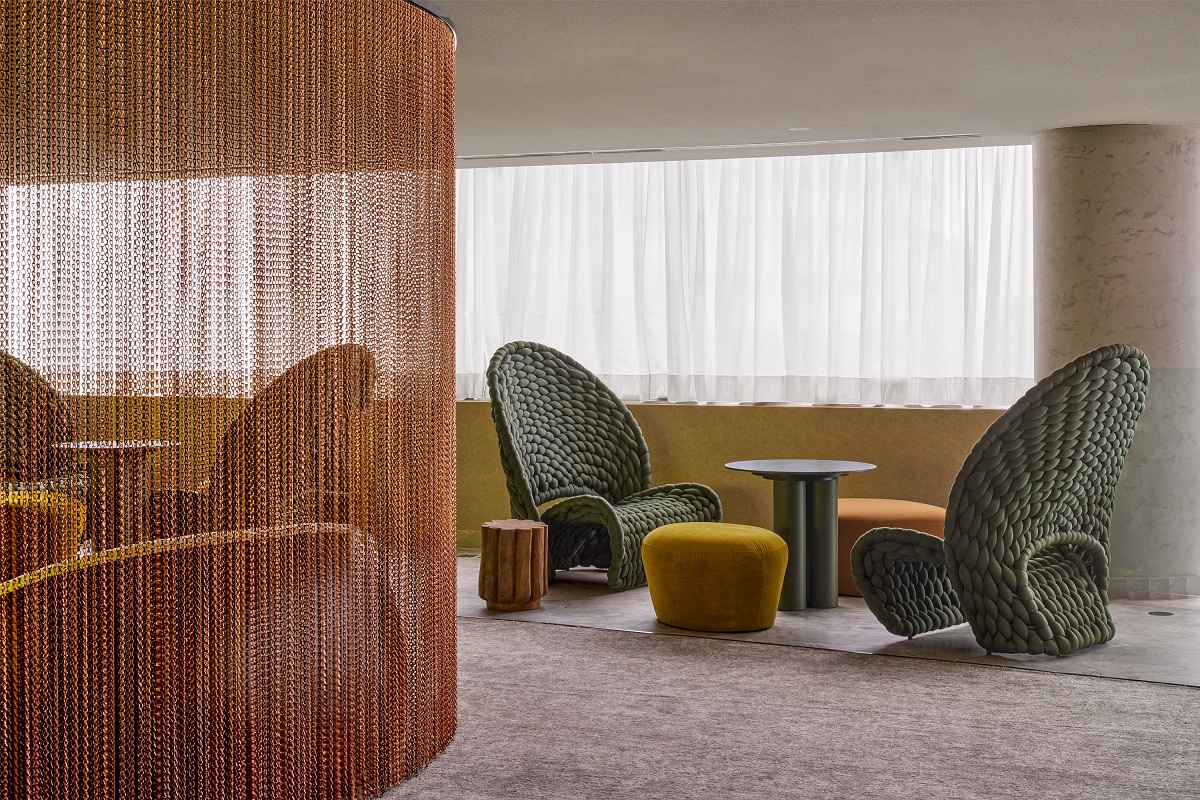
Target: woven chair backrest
{"points": [[1048, 466], [292, 443], [562, 431], [35, 418]]}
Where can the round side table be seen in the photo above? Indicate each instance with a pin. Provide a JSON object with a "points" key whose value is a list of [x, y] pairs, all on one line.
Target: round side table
{"points": [[127, 493], [806, 517]]}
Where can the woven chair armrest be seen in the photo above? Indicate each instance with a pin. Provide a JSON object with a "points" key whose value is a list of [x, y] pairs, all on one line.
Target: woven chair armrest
{"points": [[1073, 538], [1098, 566], [583, 529], [580, 508], [676, 502], [696, 490], [898, 544], [903, 579]]}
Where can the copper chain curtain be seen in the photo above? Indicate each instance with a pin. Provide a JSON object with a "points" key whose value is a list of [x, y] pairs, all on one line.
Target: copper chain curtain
{"points": [[226, 311]]}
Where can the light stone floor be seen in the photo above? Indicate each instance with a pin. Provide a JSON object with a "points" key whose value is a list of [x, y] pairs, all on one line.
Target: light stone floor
{"points": [[1147, 647]]}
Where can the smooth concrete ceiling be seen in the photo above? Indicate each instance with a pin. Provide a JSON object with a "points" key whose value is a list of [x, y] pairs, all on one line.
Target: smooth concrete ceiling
{"points": [[583, 75]]}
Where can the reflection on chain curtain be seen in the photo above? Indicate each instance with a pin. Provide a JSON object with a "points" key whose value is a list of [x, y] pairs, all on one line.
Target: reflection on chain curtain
{"points": [[204, 595], [84, 260], [878, 278]]}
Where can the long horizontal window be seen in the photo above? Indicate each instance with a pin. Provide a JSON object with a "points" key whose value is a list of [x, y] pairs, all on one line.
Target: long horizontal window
{"points": [[92, 271], [881, 278]]}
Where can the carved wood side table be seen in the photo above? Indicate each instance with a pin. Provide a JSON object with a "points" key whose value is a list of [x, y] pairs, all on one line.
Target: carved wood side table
{"points": [[512, 569]]}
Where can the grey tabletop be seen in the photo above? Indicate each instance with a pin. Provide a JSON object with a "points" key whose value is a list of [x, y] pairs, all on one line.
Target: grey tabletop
{"points": [[799, 468]]}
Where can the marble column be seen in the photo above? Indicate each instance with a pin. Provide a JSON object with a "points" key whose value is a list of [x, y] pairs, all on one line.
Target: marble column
{"points": [[1116, 217]]}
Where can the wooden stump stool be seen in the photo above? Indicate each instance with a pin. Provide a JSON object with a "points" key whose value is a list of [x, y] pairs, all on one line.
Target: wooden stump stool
{"points": [[512, 569]]}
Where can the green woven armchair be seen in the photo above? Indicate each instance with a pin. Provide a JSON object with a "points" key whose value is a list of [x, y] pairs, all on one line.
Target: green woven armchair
{"points": [[1025, 560], [565, 436], [36, 418], [286, 458]]}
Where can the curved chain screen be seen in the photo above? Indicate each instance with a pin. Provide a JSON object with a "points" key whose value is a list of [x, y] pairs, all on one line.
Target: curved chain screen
{"points": [[226, 311]]}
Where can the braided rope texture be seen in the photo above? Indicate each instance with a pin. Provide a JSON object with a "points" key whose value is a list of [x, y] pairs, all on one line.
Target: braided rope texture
{"points": [[1025, 557], [564, 434], [908, 590]]}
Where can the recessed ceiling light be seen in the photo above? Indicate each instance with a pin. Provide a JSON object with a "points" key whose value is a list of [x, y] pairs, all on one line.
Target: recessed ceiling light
{"points": [[797, 130]]}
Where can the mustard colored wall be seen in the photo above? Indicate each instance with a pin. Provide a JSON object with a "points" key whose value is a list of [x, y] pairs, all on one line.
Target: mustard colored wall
{"points": [[917, 452], [198, 423]]}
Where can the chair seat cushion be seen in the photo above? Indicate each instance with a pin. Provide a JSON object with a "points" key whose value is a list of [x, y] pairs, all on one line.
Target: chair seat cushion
{"points": [[857, 515], [712, 576]]}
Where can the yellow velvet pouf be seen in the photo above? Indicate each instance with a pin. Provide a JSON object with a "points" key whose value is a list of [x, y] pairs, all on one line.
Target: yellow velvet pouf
{"points": [[713, 576]]}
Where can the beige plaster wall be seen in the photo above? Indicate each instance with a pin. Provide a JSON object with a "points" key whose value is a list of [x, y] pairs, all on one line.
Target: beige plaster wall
{"points": [[917, 451], [1116, 242], [1116, 258]]}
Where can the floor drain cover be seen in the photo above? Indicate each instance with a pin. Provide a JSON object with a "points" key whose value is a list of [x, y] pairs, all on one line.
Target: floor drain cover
{"points": [[1161, 614]]}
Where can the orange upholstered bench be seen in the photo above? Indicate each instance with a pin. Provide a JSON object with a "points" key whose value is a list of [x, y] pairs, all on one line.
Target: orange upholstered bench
{"points": [[857, 515]]}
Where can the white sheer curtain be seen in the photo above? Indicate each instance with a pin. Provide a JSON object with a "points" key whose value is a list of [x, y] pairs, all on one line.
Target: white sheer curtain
{"points": [[85, 279], [879, 278]]}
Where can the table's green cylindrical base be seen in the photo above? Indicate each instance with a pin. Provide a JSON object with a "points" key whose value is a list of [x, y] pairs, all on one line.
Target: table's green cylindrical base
{"points": [[822, 545], [791, 524]]}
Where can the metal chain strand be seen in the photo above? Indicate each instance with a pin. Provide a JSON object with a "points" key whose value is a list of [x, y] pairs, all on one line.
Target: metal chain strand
{"points": [[227, 342], [564, 434], [1025, 560]]}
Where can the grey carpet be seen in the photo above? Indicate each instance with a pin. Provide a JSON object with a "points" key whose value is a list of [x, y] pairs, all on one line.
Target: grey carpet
{"points": [[548, 711]]}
